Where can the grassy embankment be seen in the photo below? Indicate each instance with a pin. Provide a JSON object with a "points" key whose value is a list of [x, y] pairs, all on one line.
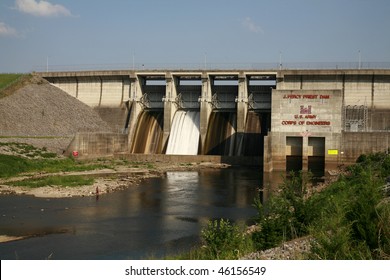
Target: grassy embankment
{"points": [[11, 165], [9, 83], [30, 160], [350, 219]]}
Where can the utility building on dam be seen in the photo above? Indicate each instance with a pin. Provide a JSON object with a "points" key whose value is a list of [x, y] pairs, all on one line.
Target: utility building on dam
{"points": [[283, 119]]}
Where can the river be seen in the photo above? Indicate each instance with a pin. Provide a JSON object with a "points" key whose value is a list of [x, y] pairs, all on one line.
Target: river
{"points": [[160, 216]]}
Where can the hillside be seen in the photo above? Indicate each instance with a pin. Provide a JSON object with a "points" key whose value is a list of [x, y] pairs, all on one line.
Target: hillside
{"points": [[39, 110]]}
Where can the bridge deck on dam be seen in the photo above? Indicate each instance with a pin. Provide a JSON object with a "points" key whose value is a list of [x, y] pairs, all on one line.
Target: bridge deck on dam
{"points": [[290, 118]]}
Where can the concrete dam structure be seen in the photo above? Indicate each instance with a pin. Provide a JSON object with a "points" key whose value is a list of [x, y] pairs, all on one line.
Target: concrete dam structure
{"points": [[281, 119]]}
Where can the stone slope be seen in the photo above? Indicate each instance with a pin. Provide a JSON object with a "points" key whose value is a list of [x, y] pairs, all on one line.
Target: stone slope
{"points": [[43, 115], [40, 109]]}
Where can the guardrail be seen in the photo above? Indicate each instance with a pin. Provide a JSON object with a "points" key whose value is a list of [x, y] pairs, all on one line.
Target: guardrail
{"points": [[217, 66]]}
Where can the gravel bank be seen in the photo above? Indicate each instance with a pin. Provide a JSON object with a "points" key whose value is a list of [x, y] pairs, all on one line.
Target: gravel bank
{"points": [[45, 116], [292, 250]]}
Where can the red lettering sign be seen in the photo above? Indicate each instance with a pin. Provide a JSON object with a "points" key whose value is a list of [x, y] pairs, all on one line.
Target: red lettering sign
{"points": [[318, 122], [310, 96], [305, 110], [289, 122]]}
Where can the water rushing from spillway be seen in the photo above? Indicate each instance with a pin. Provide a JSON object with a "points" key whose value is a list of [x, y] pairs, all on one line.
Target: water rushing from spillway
{"points": [[184, 136], [149, 133], [221, 134]]}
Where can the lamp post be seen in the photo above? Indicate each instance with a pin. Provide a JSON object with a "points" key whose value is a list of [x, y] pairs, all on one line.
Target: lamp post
{"points": [[360, 61]]}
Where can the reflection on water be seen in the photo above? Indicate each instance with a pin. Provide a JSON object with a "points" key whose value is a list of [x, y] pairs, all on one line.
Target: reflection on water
{"points": [[160, 216]]}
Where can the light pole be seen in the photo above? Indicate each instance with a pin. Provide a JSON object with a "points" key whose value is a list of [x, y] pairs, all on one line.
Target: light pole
{"points": [[360, 60], [280, 60]]}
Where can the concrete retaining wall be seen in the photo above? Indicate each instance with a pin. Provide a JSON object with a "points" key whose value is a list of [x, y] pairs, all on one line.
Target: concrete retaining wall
{"points": [[242, 161], [356, 143], [115, 117], [94, 145]]}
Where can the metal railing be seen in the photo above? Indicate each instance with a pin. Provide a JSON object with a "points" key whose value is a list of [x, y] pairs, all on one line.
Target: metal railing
{"points": [[217, 66]]}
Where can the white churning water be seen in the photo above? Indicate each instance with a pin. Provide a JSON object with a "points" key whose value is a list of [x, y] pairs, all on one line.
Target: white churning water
{"points": [[184, 136]]}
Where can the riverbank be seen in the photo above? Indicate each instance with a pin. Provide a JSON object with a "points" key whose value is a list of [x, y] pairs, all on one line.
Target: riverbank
{"points": [[120, 176], [105, 180]]}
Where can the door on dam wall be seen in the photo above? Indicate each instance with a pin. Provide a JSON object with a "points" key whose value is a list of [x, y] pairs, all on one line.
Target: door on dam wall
{"points": [[294, 152], [316, 156]]}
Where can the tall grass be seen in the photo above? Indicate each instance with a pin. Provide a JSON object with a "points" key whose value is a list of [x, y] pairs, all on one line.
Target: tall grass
{"points": [[13, 165], [353, 217], [221, 240], [8, 79], [62, 181], [10, 83]]}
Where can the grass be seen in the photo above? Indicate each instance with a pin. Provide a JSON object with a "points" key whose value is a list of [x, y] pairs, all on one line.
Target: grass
{"points": [[28, 150], [8, 79], [221, 240], [30, 159], [10, 83], [11, 166], [62, 181], [353, 214]]}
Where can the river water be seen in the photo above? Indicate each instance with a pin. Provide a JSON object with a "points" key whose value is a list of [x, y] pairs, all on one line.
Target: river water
{"points": [[160, 216]]}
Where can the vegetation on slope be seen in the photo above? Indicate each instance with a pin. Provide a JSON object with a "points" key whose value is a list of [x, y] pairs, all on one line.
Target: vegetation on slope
{"points": [[11, 82], [19, 158], [11, 165], [62, 181], [350, 219], [353, 215]]}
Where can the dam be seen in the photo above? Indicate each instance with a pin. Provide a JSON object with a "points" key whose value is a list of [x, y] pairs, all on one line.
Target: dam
{"points": [[301, 119]]}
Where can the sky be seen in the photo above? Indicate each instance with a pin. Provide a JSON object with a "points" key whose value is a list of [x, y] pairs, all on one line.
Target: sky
{"points": [[37, 35]]}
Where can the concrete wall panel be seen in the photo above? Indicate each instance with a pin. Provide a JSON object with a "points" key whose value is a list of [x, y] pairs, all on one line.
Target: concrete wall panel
{"points": [[112, 92], [358, 90], [89, 90], [322, 82], [67, 85], [382, 92]]}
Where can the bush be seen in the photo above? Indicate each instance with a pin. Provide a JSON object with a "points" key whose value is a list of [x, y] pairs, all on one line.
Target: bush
{"points": [[283, 216], [350, 219], [223, 240], [354, 222]]}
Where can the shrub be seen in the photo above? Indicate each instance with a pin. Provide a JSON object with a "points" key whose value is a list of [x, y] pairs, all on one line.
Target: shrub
{"points": [[223, 240], [283, 216], [355, 215]]}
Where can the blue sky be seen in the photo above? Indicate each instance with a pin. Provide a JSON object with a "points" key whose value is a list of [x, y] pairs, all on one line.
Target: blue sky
{"points": [[74, 34]]}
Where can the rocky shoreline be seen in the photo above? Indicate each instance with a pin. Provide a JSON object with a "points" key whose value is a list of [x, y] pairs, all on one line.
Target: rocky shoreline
{"points": [[296, 249], [106, 180]]}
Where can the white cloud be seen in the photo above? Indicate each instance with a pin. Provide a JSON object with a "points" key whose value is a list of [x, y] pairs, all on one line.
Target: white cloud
{"points": [[6, 30], [41, 8], [249, 24]]}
